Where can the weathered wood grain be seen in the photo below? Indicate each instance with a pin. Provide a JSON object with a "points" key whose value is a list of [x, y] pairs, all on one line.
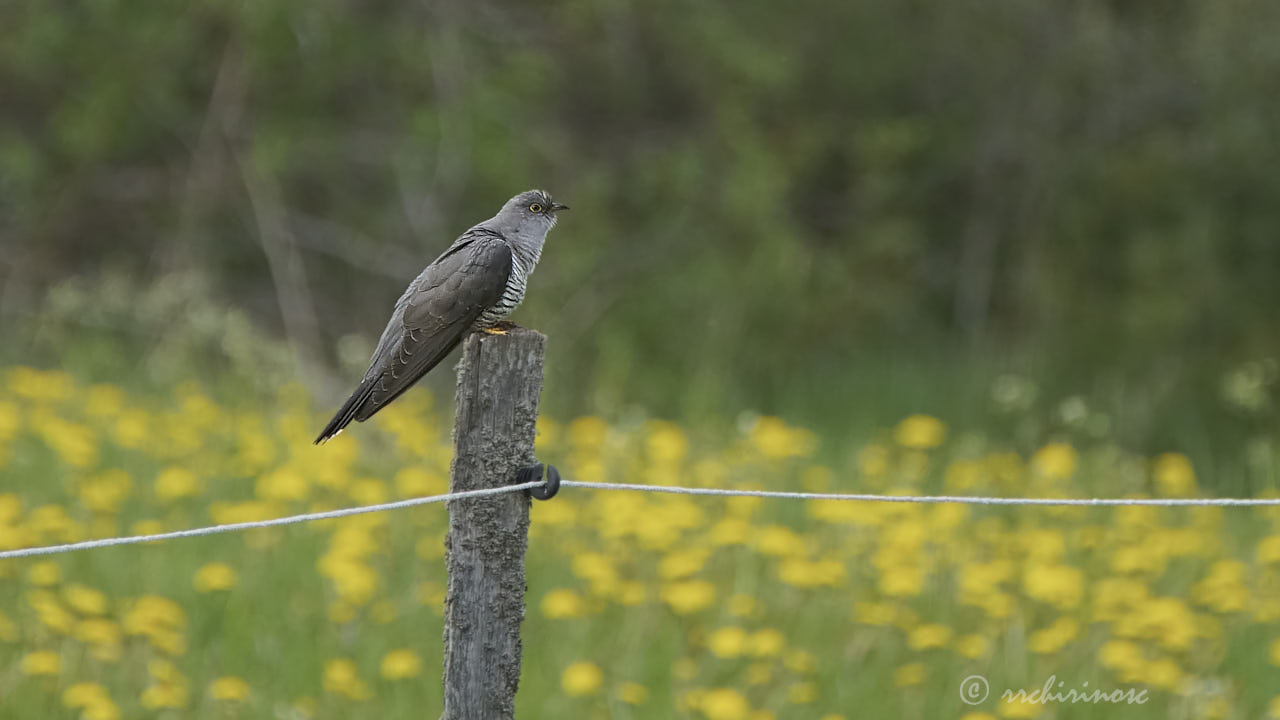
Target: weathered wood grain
{"points": [[499, 380]]}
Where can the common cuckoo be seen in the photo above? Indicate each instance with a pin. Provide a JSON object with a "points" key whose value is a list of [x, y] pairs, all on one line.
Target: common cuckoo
{"points": [[473, 286]]}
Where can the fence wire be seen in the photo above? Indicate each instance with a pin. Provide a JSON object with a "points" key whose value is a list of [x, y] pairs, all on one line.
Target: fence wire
{"points": [[664, 489]]}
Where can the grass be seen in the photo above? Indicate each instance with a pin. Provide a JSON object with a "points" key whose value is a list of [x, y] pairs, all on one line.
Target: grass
{"points": [[640, 606]]}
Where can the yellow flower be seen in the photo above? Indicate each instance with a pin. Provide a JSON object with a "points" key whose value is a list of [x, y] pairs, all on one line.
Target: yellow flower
{"points": [[1175, 476], [229, 688], [963, 476], [909, 675], [81, 694], [163, 695], [779, 541], [1223, 589], [1164, 673], [1054, 584], [1121, 655], [10, 420], [355, 582], [76, 444], [44, 574], [1268, 550], [873, 461], [105, 493], [1053, 638], [401, 664], [51, 612], [682, 563], [727, 642], [104, 635], [162, 621], [176, 482], [723, 704], [1056, 460], [581, 678], [588, 432], [8, 630], [85, 600], [341, 677], [767, 643], [132, 428], [147, 527], [688, 596], [1167, 620], [93, 699], [284, 484], [776, 440], [971, 646], [666, 443], [920, 432], [1116, 597], [417, 482], [633, 693], [632, 593], [902, 580], [214, 576], [103, 400], [803, 573], [927, 637], [41, 662], [870, 613], [1015, 707], [562, 603]]}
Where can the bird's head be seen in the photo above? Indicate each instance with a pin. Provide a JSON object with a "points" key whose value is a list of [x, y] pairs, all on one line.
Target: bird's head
{"points": [[530, 214]]}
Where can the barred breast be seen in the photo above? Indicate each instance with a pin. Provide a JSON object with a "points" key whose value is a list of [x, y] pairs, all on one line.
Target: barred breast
{"points": [[511, 295]]}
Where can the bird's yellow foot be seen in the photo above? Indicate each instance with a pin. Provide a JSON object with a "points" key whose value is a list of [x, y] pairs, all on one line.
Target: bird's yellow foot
{"points": [[495, 331]]}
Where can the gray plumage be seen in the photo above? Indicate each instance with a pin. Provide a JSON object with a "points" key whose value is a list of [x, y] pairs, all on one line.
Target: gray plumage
{"points": [[474, 285]]}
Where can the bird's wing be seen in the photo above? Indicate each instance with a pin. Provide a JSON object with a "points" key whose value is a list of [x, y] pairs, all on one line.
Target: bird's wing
{"points": [[430, 319]]}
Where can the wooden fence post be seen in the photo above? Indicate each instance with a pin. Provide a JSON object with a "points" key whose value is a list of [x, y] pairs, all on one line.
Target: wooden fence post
{"points": [[499, 379]]}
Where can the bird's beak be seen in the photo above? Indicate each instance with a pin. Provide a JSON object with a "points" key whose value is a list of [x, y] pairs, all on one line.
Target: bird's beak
{"points": [[557, 206]]}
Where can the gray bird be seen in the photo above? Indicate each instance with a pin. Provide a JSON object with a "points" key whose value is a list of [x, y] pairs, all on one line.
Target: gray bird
{"points": [[473, 286]]}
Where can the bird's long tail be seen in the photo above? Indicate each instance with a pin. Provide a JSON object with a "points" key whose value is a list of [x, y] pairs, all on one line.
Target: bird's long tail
{"points": [[347, 412]]}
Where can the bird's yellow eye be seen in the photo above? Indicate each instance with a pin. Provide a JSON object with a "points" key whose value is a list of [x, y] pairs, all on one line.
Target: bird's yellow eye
{"points": [[535, 208]]}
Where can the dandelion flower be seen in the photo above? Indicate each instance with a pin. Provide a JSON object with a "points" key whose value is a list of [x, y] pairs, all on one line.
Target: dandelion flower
{"points": [[727, 642], [41, 662], [214, 576], [633, 693], [909, 675], [85, 600], [688, 596], [581, 678], [920, 432], [229, 688], [401, 664], [341, 677], [928, 637], [724, 704]]}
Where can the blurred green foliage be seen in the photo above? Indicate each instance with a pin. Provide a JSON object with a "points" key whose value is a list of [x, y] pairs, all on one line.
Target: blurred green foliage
{"points": [[842, 211]]}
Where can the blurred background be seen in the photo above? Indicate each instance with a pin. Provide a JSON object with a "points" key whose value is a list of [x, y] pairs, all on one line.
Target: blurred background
{"points": [[994, 247], [837, 212]]}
